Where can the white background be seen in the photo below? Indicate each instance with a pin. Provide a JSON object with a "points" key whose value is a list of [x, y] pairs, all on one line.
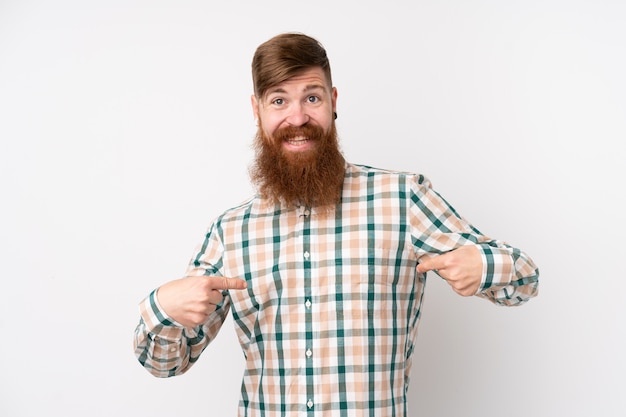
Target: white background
{"points": [[125, 127]]}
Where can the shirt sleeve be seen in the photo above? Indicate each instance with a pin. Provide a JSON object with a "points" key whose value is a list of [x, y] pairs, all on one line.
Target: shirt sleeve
{"points": [[510, 277], [163, 346]]}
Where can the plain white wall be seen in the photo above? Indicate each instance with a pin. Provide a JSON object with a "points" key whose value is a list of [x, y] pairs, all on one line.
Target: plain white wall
{"points": [[125, 127]]}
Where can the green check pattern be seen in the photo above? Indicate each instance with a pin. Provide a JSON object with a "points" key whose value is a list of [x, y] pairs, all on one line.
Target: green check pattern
{"points": [[329, 319]]}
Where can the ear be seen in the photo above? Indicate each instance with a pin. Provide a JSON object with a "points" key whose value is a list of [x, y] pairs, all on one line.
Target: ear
{"points": [[255, 107], [334, 99]]}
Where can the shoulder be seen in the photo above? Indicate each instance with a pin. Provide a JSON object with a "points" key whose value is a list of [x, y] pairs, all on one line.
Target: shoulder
{"points": [[360, 171], [236, 212]]}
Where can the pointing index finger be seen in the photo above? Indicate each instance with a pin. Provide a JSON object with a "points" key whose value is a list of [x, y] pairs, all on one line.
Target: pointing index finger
{"points": [[225, 283]]}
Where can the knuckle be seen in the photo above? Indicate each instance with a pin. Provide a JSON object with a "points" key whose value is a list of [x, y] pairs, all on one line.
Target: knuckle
{"points": [[205, 284]]}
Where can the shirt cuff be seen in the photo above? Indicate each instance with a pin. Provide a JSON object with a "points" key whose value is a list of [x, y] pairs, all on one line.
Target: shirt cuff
{"points": [[156, 320], [498, 267]]}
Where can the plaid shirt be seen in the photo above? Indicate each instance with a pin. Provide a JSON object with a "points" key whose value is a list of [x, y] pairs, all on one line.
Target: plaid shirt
{"points": [[329, 319]]}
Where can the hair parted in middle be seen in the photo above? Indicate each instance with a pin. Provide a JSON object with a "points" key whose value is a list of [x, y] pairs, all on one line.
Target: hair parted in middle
{"points": [[285, 56]]}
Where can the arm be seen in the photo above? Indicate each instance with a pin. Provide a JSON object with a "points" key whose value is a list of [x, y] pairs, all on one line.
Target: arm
{"points": [[165, 347], [470, 262], [180, 319], [492, 270]]}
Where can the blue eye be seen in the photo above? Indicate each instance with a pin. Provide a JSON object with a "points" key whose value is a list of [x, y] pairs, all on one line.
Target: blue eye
{"points": [[312, 99], [278, 101]]}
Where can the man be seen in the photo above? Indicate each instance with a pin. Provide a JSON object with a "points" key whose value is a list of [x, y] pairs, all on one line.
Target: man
{"points": [[324, 269]]}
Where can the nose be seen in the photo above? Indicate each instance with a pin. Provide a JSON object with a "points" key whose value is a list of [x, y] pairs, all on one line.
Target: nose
{"points": [[297, 115]]}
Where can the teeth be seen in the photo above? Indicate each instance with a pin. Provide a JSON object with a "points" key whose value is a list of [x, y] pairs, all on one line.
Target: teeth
{"points": [[297, 140]]}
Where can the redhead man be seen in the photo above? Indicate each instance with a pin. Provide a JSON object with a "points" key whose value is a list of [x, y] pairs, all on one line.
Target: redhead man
{"points": [[324, 268]]}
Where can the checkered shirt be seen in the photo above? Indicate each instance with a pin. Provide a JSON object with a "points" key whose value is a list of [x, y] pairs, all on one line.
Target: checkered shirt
{"points": [[329, 319]]}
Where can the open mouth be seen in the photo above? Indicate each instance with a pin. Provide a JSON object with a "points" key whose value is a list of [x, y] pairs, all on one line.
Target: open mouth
{"points": [[298, 141]]}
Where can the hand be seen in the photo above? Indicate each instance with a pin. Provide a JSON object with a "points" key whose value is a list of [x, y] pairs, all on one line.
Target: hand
{"points": [[462, 268], [190, 300]]}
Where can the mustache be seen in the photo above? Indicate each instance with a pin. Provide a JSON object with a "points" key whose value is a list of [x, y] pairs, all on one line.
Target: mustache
{"points": [[311, 132]]}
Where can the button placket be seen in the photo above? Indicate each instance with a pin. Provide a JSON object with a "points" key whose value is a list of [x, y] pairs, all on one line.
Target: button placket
{"points": [[308, 316]]}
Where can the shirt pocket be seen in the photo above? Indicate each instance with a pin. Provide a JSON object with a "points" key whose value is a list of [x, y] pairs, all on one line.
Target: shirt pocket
{"points": [[388, 268], [384, 285]]}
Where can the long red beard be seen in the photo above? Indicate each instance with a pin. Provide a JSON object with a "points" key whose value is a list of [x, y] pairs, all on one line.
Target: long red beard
{"points": [[312, 178]]}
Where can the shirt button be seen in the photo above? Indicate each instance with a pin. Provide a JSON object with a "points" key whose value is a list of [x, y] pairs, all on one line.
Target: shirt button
{"points": [[308, 303], [173, 349], [306, 255], [307, 212], [309, 353], [309, 403]]}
